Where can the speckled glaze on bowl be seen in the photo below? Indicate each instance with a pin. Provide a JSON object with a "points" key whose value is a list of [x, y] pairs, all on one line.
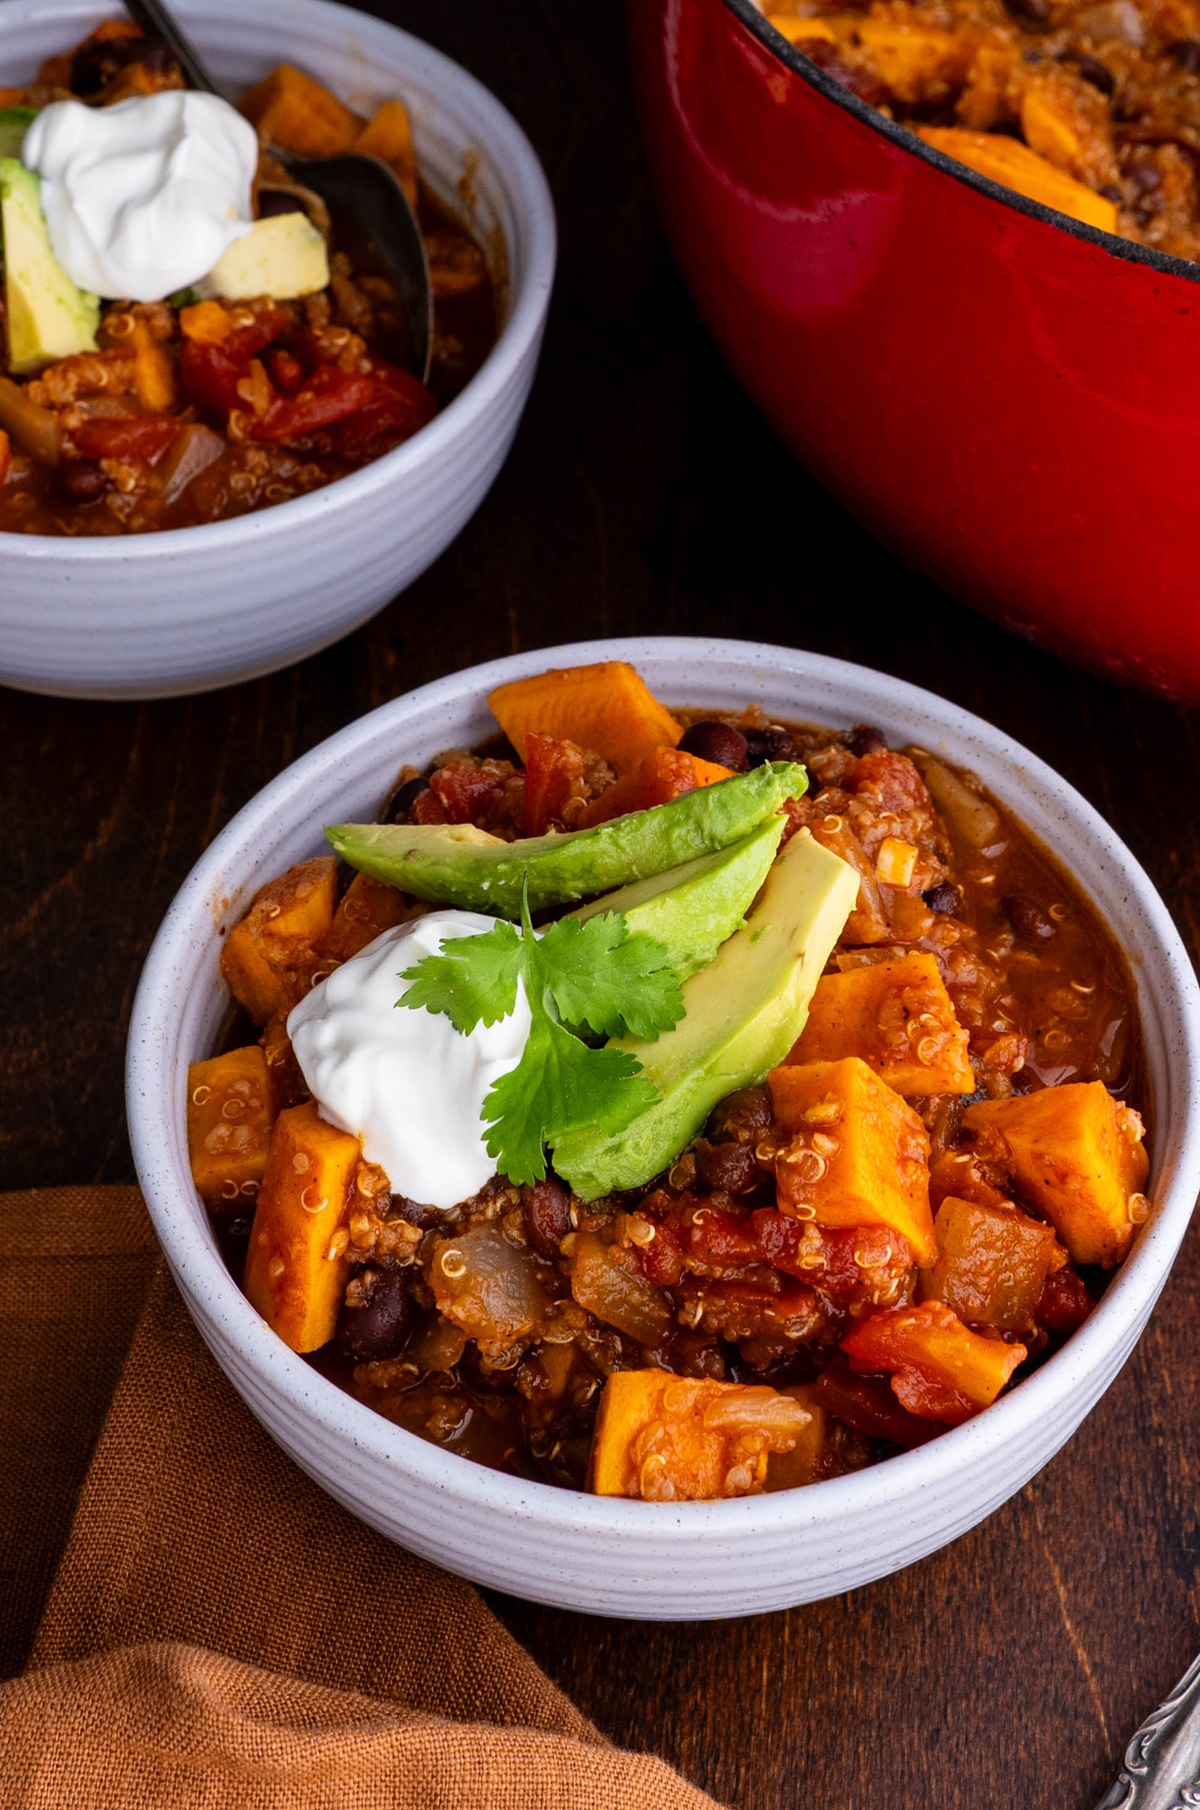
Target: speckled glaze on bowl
{"points": [[191, 609], [690, 1560]]}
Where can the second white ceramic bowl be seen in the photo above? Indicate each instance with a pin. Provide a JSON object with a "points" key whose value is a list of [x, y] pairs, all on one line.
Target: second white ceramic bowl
{"points": [[688, 1560], [187, 610]]}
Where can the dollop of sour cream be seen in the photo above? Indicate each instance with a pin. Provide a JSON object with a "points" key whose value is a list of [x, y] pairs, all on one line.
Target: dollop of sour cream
{"points": [[405, 1081], [143, 198]]}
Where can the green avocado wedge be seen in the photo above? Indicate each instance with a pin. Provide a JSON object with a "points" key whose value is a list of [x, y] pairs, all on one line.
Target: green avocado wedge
{"points": [[454, 864], [693, 909], [46, 316], [742, 1015], [14, 123]]}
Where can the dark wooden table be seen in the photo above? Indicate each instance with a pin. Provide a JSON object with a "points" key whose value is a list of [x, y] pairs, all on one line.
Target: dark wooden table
{"points": [[643, 494]]}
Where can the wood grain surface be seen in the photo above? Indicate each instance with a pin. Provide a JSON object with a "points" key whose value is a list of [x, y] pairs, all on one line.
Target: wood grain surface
{"points": [[644, 495]]}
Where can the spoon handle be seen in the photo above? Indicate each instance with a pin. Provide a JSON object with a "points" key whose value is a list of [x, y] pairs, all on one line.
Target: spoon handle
{"points": [[157, 21], [1162, 1762]]}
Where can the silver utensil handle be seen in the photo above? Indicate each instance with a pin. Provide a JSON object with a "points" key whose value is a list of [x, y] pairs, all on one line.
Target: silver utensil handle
{"points": [[1162, 1762]]}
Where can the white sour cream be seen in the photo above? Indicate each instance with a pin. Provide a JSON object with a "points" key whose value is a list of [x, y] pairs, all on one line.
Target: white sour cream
{"points": [[141, 199], [406, 1082]]}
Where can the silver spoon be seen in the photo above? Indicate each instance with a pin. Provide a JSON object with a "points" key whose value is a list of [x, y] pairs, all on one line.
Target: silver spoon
{"points": [[1162, 1763], [361, 191]]}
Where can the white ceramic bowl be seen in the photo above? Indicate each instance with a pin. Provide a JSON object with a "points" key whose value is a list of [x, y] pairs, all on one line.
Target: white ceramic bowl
{"points": [[689, 1560], [190, 609]]}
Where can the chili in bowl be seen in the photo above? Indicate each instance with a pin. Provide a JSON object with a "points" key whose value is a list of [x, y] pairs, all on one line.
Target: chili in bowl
{"points": [[189, 353], [727, 1290]]}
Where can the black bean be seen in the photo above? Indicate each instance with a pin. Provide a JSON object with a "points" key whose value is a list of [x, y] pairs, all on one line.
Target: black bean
{"points": [[404, 798], [380, 1328], [98, 62], [720, 743], [945, 896], [1186, 52], [771, 743], [1033, 12], [731, 1167], [1112, 193], [1145, 177], [1027, 918], [865, 740], [1097, 73], [278, 201], [547, 1209], [80, 481], [400, 1207], [742, 1117]]}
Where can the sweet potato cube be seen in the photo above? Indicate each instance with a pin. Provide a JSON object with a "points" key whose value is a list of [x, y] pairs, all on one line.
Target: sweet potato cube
{"points": [[388, 136], [295, 1273], [269, 958], [803, 31], [898, 1017], [298, 114], [991, 1266], [229, 1119], [664, 1438], [1077, 1154], [918, 63], [663, 774], [367, 909], [939, 1368], [1008, 161], [859, 1155], [606, 708], [1067, 121]]}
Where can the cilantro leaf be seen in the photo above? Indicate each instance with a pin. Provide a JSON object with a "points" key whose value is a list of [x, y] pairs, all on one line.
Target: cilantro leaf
{"points": [[595, 974], [614, 982], [473, 981], [559, 1083]]}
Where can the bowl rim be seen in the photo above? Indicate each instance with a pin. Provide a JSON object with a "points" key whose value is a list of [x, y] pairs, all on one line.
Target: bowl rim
{"points": [[757, 23], [519, 170], [153, 1114]]}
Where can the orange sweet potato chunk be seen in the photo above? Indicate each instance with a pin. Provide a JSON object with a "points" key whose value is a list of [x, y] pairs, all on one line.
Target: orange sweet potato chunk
{"points": [[1008, 161], [295, 1276], [939, 1368], [368, 908], [229, 1119], [665, 1438], [388, 136], [297, 113], [917, 63], [898, 1017], [1077, 1155], [859, 1154], [664, 774], [606, 707], [992, 1264], [270, 957]]}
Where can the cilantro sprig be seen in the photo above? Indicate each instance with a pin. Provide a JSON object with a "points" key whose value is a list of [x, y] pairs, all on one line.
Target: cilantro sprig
{"points": [[595, 976]]}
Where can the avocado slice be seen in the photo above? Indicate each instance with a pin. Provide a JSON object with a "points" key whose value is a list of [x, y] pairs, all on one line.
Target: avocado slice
{"points": [[454, 864], [283, 256], [693, 909], [14, 123], [742, 1015], [47, 316]]}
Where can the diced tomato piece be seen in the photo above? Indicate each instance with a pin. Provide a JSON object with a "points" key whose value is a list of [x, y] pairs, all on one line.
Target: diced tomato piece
{"points": [[1064, 1302], [939, 1367], [210, 376], [268, 323], [551, 771], [125, 437], [462, 792], [287, 373], [867, 1404], [397, 406], [328, 396]]}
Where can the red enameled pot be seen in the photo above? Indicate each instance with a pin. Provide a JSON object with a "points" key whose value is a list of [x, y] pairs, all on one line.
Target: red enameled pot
{"points": [[1007, 398]]}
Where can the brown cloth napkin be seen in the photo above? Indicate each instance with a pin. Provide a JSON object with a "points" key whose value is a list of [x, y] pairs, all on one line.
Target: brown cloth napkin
{"points": [[218, 1631]]}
